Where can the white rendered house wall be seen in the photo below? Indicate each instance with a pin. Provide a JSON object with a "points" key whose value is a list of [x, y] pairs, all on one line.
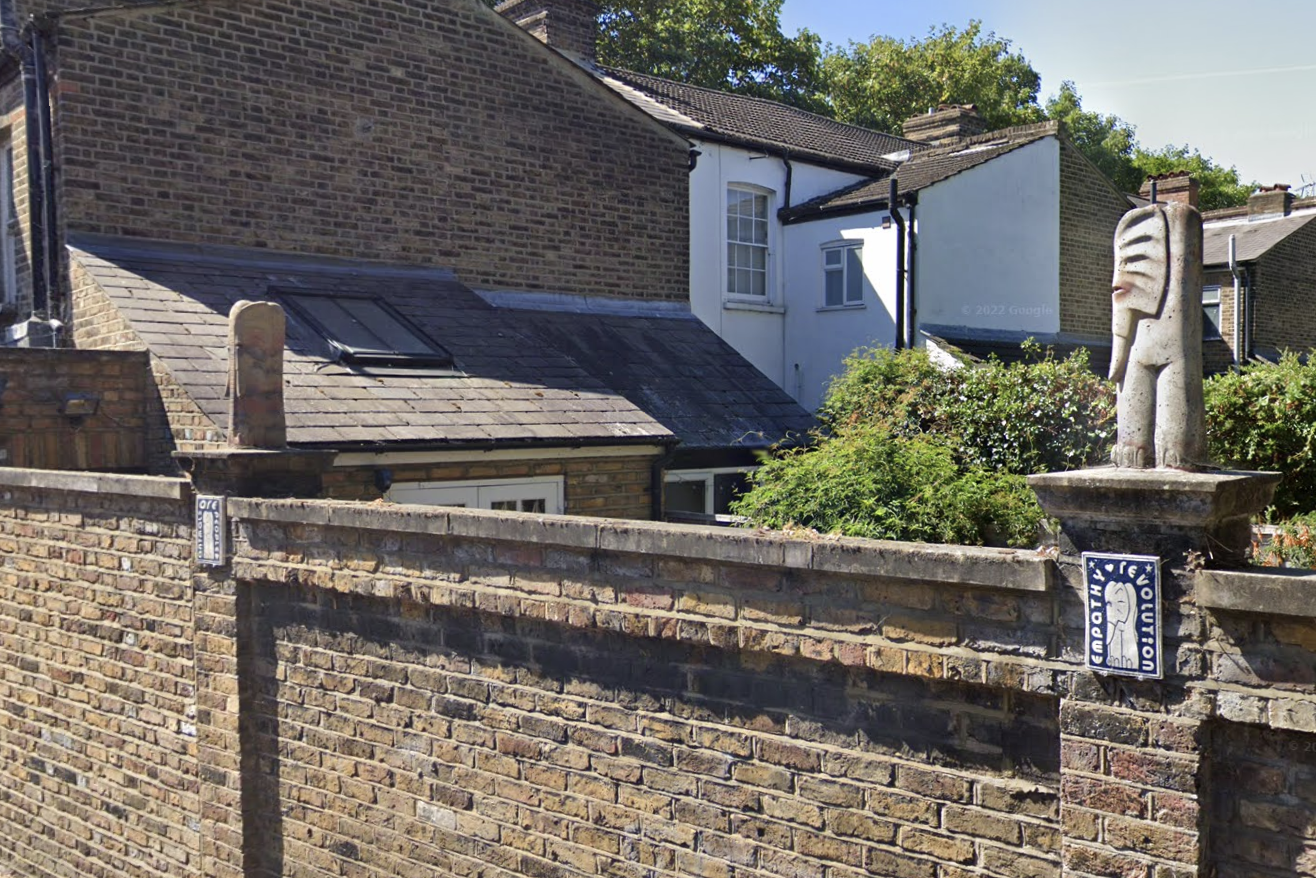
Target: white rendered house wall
{"points": [[820, 333], [989, 244], [753, 324]]}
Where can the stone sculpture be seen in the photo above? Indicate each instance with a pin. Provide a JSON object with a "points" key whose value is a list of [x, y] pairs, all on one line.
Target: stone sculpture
{"points": [[255, 340], [1156, 356]]}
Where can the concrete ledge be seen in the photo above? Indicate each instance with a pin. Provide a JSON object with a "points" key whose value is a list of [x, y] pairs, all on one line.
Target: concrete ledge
{"points": [[1006, 569], [78, 482], [1275, 593]]}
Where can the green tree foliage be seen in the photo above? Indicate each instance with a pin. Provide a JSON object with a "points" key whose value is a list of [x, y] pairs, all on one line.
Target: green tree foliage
{"points": [[1263, 417], [881, 83], [1221, 187], [910, 451], [1110, 143], [732, 45]]}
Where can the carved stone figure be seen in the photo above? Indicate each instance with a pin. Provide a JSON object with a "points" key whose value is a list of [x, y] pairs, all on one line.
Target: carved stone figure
{"points": [[255, 340], [1156, 356]]}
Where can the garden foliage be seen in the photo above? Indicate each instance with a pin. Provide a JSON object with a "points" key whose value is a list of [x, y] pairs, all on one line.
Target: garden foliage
{"points": [[910, 451], [1263, 417]]}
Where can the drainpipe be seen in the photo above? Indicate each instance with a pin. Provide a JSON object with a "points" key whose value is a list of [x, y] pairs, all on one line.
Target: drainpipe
{"points": [[900, 263], [14, 44], [1238, 302], [49, 239], [790, 175], [911, 301]]}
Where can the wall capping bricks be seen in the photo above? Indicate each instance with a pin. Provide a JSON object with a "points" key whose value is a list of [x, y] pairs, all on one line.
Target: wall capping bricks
{"points": [[154, 487], [1006, 569], [1276, 592]]}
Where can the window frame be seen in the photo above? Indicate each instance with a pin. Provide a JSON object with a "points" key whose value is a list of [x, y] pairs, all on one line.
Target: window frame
{"points": [[708, 476], [483, 493], [845, 247], [294, 301], [1211, 330], [733, 295]]}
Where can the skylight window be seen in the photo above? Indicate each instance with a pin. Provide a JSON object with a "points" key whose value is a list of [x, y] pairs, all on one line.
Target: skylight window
{"points": [[365, 330]]}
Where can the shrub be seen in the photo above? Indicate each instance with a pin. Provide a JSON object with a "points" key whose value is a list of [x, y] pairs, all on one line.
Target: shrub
{"points": [[1292, 545], [868, 482], [913, 452], [1263, 417]]}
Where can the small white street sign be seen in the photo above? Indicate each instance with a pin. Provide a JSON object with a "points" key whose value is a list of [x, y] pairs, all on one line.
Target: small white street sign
{"points": [[211, 531]]}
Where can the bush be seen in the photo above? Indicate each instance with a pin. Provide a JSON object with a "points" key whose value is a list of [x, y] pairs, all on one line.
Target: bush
{"points": [[1263, 417], [868, 482], [1022, 418], [1292, 545], [912, 452]]}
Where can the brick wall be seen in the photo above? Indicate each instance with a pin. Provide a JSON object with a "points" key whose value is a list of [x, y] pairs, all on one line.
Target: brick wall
{"points": [[169, 419], [609, 487], [1090, 208], [427, 132], [375, 690], [1285, 281], [37, 386]]}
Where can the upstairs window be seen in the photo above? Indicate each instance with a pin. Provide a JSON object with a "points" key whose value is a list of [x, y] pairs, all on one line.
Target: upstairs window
{"points": [[747, 242], [843, 275], [1211, 312], [365, 330]]}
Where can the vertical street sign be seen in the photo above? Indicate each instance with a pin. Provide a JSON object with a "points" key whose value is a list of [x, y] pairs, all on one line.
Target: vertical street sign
{"points": [[211, 531], [1123, 600]]}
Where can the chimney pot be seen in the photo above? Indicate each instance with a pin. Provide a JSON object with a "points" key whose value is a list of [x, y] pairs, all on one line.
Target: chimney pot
{"points": [[1274, 200]]}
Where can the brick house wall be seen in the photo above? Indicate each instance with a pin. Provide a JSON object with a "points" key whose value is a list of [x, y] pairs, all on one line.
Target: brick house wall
{"points": [[36, 431], [1218, 353], [1285, 284], [1090, 208], [170, 419], [608, 487], [427, 132]]}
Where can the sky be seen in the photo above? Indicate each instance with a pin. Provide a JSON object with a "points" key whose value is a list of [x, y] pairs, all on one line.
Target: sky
{"points": [[1234, 80]]}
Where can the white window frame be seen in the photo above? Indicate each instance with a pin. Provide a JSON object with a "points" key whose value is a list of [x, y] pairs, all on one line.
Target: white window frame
{"points": [[1211, 299], [707, 476], [729, 294], [483, 494], [844, 248]]}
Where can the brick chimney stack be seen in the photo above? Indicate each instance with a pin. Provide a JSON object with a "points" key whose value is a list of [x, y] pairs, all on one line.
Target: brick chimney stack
{"points": [[570, 26], [1174, 186], [947, 123], [1268, 201]]}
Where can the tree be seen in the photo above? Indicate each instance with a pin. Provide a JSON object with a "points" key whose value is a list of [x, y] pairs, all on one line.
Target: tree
{"points": [[881, 83], [731, 45], [1107, 141], [1220, 187], [1110, 143]]}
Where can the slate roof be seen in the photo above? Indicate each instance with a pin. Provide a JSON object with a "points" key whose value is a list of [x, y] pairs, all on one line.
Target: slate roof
{"points": [[680, 371], [510, 387], [923, 169], [715, 115], [981, 345], [1253, 239], [550, 379]]}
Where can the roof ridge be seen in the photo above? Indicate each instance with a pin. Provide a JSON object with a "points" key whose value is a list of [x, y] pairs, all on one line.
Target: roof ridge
{"points": [[914, 144]]}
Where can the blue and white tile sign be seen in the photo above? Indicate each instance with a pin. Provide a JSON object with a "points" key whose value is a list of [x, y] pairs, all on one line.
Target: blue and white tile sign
{"points": [[211, 528], [1123, 599]]}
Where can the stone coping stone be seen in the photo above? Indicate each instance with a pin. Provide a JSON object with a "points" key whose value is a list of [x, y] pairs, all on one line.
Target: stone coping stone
{"points": [[1274, 592], [80, 482], [971, 566], [1171, 497]]}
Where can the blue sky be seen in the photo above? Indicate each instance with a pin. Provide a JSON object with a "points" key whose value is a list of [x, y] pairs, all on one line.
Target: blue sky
{"points": [[1235, 80]]}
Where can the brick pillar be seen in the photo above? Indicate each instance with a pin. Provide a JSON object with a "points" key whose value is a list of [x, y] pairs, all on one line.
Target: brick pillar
{"points": [[1135, 752]]}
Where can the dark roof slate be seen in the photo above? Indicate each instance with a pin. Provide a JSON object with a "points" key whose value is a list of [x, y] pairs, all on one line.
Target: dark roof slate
{"points": [[510, 386], [679, 371], [710, 113], [1253, 239], [923, 169], [1007, 346]]}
